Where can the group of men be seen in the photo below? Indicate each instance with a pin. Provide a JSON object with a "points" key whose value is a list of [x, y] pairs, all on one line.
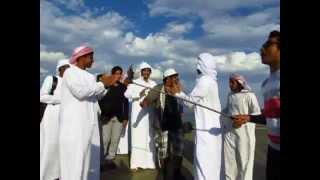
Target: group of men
{"points": [[84, 111]]}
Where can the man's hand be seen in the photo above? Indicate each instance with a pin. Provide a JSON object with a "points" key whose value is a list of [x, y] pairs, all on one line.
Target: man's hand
{"points": [[126, 81], [108, 80], [238, 120]]}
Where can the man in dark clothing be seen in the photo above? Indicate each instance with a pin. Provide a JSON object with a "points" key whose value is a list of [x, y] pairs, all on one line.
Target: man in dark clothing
{"points": [[114, 115], [168, 127]]}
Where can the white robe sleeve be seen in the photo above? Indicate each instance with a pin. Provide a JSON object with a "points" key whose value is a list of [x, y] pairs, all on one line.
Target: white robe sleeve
{"points": [[45, 97], [100, 96], [131, 93], [80, 89], [254, 107], [196, 95]]}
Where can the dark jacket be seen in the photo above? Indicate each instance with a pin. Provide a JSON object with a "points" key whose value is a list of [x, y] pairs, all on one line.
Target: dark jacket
{"points": [[168, 110], [114, 103]]}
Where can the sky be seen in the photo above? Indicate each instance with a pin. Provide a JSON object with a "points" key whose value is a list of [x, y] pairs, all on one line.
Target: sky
{"points": [[163, 33]]}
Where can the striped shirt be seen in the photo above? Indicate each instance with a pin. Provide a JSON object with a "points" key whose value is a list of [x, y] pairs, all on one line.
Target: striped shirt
{"points": [[271, 111]]}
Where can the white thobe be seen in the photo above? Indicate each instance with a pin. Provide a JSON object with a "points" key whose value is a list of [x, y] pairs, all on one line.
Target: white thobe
{"points": [[142, 143], [239, 144], [79, 131], [49, 130], [123, 147], [208, 136]]}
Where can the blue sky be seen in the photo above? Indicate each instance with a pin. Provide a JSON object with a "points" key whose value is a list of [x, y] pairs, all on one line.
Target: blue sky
{"points": [[164, 33]]}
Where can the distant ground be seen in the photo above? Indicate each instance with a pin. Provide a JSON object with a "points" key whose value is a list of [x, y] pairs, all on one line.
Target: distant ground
{"points": [[123, 172]]}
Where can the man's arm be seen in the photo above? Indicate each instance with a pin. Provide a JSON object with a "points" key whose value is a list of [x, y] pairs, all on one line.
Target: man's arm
{"points": [[151, 97], [81, 89], [197, 94], [258, 119], [255, 111], [238, 120]]}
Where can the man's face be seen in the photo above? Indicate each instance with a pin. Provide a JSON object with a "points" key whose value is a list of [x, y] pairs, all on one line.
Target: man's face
{"points": [[174, 79], [117, 75], [145, 73], [62, 69], [88, 60], [270, 53], [234, 85]]}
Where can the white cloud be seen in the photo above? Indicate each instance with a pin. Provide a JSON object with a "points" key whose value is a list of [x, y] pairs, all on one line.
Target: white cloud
{"points": [[174, 28], [222, 27], [114, 44], [240, 61], [113, 33], [156, 74], [151, 45], [43, 70], [203, 8], [71, 4], [51, 56], [181, 54], [60, 32], [252, 25], [42, 47]]}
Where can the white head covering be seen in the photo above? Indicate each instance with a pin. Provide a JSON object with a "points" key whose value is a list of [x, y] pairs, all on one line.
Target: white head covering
{"points": [[241, 80], [169, 72], [61, 63], [207, 65], [144, 65]]}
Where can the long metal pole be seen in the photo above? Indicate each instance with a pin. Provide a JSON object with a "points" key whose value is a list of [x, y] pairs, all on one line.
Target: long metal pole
{"points": [[210, 109]]}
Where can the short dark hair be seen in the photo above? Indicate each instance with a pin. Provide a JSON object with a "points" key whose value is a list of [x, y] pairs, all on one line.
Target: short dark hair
{"points": [[275, 34], [115, 69]]}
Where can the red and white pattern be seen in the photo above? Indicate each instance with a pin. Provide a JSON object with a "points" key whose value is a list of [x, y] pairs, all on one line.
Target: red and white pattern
{"points": [[271, 93], [80, 51]]}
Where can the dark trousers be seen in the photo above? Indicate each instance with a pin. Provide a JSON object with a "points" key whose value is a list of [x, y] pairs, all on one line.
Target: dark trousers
{"points": [[172, 168], [273, 164]]}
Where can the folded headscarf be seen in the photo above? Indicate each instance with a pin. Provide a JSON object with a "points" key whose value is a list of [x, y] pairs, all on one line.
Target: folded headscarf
{"points": [[241, 80], [80, 51]]}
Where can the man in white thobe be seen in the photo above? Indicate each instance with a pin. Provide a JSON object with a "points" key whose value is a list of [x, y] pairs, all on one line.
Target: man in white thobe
{"points": [[49, 126], [142, 143], [239, 143], [208, 136], [79, 132], [123, 147]]}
